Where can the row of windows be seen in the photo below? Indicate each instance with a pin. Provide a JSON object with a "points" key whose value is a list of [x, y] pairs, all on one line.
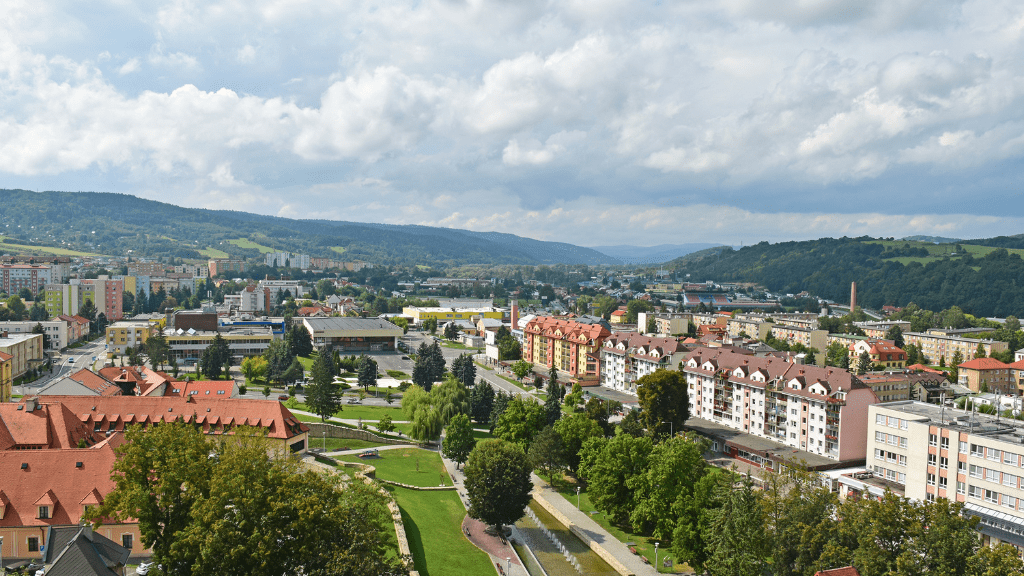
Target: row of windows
{"points": [[890, 439], [891, 475], [890, 421], [1006, 479], [990, 496], [890, 457]]}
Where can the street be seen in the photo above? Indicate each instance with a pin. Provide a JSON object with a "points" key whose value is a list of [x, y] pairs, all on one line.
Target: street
{"points": [[83, 358]]}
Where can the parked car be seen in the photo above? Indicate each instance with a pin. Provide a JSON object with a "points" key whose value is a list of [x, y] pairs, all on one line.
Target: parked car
{"points": [[353, 401], [283, 397], [144, 568]]}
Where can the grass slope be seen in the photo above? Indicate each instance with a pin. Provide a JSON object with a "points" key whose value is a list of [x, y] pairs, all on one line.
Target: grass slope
{"points": [[433, 523], [249, 244], [26, 249]]}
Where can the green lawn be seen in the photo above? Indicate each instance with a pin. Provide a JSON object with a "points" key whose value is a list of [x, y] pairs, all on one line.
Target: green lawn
{"points": [[398, 375], [413, 466], [458, 346], [307, 363], [249, 244], [938, 251], [26, 249], [214, 253], [338, 249], [643, 544], [433, 522], [488, 368], [334, 444]]}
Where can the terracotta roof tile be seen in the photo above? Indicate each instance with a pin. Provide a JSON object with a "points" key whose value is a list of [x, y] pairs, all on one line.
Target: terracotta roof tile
{"points": [[847, 571], [984, 364]]}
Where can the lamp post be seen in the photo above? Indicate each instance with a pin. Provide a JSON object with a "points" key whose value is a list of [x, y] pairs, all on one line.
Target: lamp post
{"points": [[577, 497], [656, 555], [670, 427], [508, 563]]}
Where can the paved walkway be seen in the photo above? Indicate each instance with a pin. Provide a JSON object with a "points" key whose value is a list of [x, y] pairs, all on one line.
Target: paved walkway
{"points": [[543, 490], [361, 450], [474, 530]]}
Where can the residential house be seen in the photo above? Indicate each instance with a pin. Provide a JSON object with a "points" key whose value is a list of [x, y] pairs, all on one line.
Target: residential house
{"points": [[572, 346], [987, 375], [628, 356]]}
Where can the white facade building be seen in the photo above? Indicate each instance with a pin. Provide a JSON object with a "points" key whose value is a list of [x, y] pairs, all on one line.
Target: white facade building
{"points": [[939, 452], [627, 356]]}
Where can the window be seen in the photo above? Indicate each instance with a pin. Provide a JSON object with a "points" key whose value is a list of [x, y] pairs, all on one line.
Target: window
{"points": [[961, 488], [931, 459], [944, 463], [879, 436], [963, 447], [44, 512], [942, 482], [992, 475], [33, 544], [977, 450], [1009, 458], [1009, 501], [127, 540], [994, 455], [879, 419], [974, 491], [961, 466], [903, 442], [992, 497], [1009, 480], [976, 471], [933, 440], [931, 479], [944, 443]]}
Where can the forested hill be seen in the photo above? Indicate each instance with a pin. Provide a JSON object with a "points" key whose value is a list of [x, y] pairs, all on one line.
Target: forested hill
{"points": [[983, 277], [108, 223]]}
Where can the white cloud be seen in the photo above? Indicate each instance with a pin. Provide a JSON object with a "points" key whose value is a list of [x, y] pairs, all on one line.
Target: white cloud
{"points": [[501, 113]]}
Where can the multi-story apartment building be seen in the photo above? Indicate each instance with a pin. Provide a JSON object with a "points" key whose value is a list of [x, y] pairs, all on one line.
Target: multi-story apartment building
{"points": [[935, 345], [6, 377], [287, 260], [878, 329], [571, 346], [628, 356], [817, 339], [127, 334], [25, 350], [666, 323], [220, 266], [193, 270], [938, 452], [822, 411], [988, 375], [14, 277], [881, 352], [753, 326], [147, 269], [57, 332], [109, 296], [68, 299], [890, 386], [276, 287]]}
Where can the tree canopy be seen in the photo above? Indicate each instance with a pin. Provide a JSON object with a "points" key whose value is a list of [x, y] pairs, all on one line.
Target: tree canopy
{"points": [[498, 482]]}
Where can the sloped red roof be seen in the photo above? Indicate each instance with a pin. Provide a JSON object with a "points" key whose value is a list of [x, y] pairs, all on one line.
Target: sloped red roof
{"points": [[5, 357], [116, 412], [847, 571], [984, 364], [48, 426], [53, 478], [94, 381], [201, 388]]}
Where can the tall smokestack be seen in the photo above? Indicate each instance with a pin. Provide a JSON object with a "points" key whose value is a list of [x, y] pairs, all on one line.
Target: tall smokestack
{"points": [[853, 296], [515, 314]]}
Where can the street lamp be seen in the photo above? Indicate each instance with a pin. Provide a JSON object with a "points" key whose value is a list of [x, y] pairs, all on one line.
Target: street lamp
{"points": [[577, 497], [656, 555], [670, 427], [508, 563]]}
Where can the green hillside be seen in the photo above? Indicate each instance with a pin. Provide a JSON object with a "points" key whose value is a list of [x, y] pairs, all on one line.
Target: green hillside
{"points": [[984, 277], [103, 223]]}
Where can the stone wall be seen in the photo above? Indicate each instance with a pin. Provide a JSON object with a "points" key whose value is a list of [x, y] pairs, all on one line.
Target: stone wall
{"points": [[318, 429]]}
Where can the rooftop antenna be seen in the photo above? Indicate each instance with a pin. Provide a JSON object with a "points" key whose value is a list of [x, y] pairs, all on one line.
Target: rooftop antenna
{"points": [[942, 409]]}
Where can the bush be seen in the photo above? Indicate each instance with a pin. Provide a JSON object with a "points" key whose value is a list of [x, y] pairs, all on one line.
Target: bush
{"points": [[242, 389], [291, 391]]}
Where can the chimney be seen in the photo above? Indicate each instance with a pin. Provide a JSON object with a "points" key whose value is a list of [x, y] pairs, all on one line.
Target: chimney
{"points": [[31, 404], [515, 314], [853, 296], [4, 334]]}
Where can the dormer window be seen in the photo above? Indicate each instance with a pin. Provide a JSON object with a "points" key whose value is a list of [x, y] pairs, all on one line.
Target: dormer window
{"points": [[44, 513]]}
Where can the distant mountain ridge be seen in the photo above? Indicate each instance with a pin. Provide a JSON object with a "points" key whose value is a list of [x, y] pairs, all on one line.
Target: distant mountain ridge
{"points": [[110, 223], [651, 254]]}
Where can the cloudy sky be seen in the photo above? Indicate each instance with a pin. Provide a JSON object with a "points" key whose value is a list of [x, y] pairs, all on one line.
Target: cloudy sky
{"points": [[593, 122]]}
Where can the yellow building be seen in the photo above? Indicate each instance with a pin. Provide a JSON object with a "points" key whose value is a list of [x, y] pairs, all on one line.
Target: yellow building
{"points": [[6, 377], [127, 334], [25, 350], [419, 314]]}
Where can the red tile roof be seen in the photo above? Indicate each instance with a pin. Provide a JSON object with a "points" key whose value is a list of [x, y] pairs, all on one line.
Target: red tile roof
{"points": [[923, 368], [984, 364], [5, 357], [202, 389], [94, 381], [33, 478], [48, 426], [116, 412]]}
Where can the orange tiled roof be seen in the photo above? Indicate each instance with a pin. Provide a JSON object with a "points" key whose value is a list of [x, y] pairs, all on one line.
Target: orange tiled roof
{"points": [[94, 381], [984, 364], [48, 426], [201, 388], [5, 357], [116, 412], [847, 571], [53, 478]]}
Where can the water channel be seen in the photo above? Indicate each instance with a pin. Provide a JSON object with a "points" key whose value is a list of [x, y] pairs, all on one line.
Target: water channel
{"points": [[559, 551]]}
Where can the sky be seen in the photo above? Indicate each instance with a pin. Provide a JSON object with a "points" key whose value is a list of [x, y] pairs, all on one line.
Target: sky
{"points": [[593, 122]]}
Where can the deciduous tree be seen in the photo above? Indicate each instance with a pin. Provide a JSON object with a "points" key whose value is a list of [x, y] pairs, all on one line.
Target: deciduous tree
{"points": [[458, 439], [498, 482], [663, 400]]}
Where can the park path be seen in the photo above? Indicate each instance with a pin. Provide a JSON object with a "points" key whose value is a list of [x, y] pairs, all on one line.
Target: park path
{"points": [[500, 552], [543, 491]]}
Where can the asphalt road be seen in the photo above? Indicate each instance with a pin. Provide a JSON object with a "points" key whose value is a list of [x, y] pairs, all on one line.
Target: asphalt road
{"points": [[83, 358]]}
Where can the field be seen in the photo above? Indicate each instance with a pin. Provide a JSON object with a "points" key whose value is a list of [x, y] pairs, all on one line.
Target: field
{"points": [[413, 466], [937, 252], [249, 244], [25, 249], [338, 249], [214, 253]]}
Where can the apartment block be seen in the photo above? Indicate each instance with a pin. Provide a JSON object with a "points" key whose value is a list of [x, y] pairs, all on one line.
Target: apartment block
{"points": [[754, 327], [938, 452], [127, 334], [58, 332], [222, 266], [25, 350], [817, 339], [287, 260], [109, 296], [937, 344], [571, 346], [879, 329], [14, 277], [673, 323], [988, 375], [821, 411], [628, 356], [147, 269]]}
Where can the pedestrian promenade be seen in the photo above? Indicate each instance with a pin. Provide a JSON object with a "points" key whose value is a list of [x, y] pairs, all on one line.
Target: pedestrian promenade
{"points": [[619, 551]]}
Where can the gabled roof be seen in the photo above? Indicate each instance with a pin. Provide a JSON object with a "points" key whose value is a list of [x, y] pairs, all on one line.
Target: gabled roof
{"points": [[96, 382], [48, 426], [78, 551], [847, 571], [4, 357], [984, 364], [53, 478], [202, 389]]}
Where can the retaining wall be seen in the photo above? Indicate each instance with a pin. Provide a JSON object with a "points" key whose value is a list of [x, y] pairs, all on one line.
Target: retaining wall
{"points": [[317, 430], [582, 535]]}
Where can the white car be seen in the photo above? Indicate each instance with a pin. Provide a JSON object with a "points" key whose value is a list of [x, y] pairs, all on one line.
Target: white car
{"points": [[144, 568]]}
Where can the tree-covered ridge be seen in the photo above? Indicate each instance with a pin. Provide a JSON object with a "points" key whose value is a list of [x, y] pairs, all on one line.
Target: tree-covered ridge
{"points": [[989, 285], [116, 223]]}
